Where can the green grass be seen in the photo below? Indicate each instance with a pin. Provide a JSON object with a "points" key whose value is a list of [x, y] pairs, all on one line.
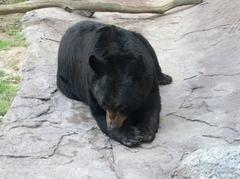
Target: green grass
{"points": [[2, 74], [4, 44], [8, 88], [16, 39], [9, 84]]}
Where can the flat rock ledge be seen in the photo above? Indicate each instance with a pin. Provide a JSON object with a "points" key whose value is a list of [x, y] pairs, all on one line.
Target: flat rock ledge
{"points": [[48, 136]]}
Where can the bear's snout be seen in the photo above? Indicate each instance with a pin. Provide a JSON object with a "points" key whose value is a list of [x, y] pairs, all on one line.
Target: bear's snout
{"points": [[115, 119]]}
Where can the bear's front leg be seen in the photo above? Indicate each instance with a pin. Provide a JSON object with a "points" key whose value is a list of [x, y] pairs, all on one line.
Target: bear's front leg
{"points": [[148, 117], [129, 136]]}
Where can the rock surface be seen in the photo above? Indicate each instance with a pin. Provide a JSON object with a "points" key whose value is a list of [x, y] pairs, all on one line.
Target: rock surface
{"points": [[45, 135], [215, 163]]}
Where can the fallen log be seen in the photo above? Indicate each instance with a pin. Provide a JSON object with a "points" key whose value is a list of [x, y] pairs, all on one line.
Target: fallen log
{"points": [[72, 5]]}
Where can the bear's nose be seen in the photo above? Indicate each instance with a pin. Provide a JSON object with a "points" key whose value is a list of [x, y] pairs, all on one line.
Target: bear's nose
{"points": [[111, 126], [115, 119], [112, 114]]}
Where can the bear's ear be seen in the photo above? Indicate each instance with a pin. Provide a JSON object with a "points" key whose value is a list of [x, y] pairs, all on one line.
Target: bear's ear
{"points": [[97, 66]]}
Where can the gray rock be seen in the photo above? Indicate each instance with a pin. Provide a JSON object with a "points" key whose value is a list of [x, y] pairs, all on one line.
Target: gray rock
{"points": [[46, 135], [215, 163]]}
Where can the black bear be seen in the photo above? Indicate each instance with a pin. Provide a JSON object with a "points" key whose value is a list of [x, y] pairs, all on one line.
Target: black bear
{"points": [[116, 72]]}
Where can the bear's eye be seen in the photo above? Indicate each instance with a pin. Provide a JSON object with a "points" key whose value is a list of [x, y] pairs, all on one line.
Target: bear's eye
{"points": [[121, 108], [104, 105]]}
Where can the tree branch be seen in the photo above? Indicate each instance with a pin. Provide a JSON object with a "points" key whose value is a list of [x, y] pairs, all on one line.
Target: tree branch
{"points": [[71, 5]]}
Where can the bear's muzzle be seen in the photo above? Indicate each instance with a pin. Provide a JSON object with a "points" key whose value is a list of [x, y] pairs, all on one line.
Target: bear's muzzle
{"points": [[115, 119]]}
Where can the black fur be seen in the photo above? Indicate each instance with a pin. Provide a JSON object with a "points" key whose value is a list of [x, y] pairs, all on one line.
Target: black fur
{"points": [[107, 66]]}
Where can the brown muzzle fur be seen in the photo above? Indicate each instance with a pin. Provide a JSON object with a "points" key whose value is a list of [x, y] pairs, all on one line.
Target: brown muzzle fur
{"points": [[115, 119]]}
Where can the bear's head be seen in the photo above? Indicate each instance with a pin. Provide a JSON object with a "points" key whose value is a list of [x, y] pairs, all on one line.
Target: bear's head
{"points": [[120, 86]]}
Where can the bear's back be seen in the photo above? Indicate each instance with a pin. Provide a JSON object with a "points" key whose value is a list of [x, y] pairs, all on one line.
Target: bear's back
{"points": [[88, 38]]}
